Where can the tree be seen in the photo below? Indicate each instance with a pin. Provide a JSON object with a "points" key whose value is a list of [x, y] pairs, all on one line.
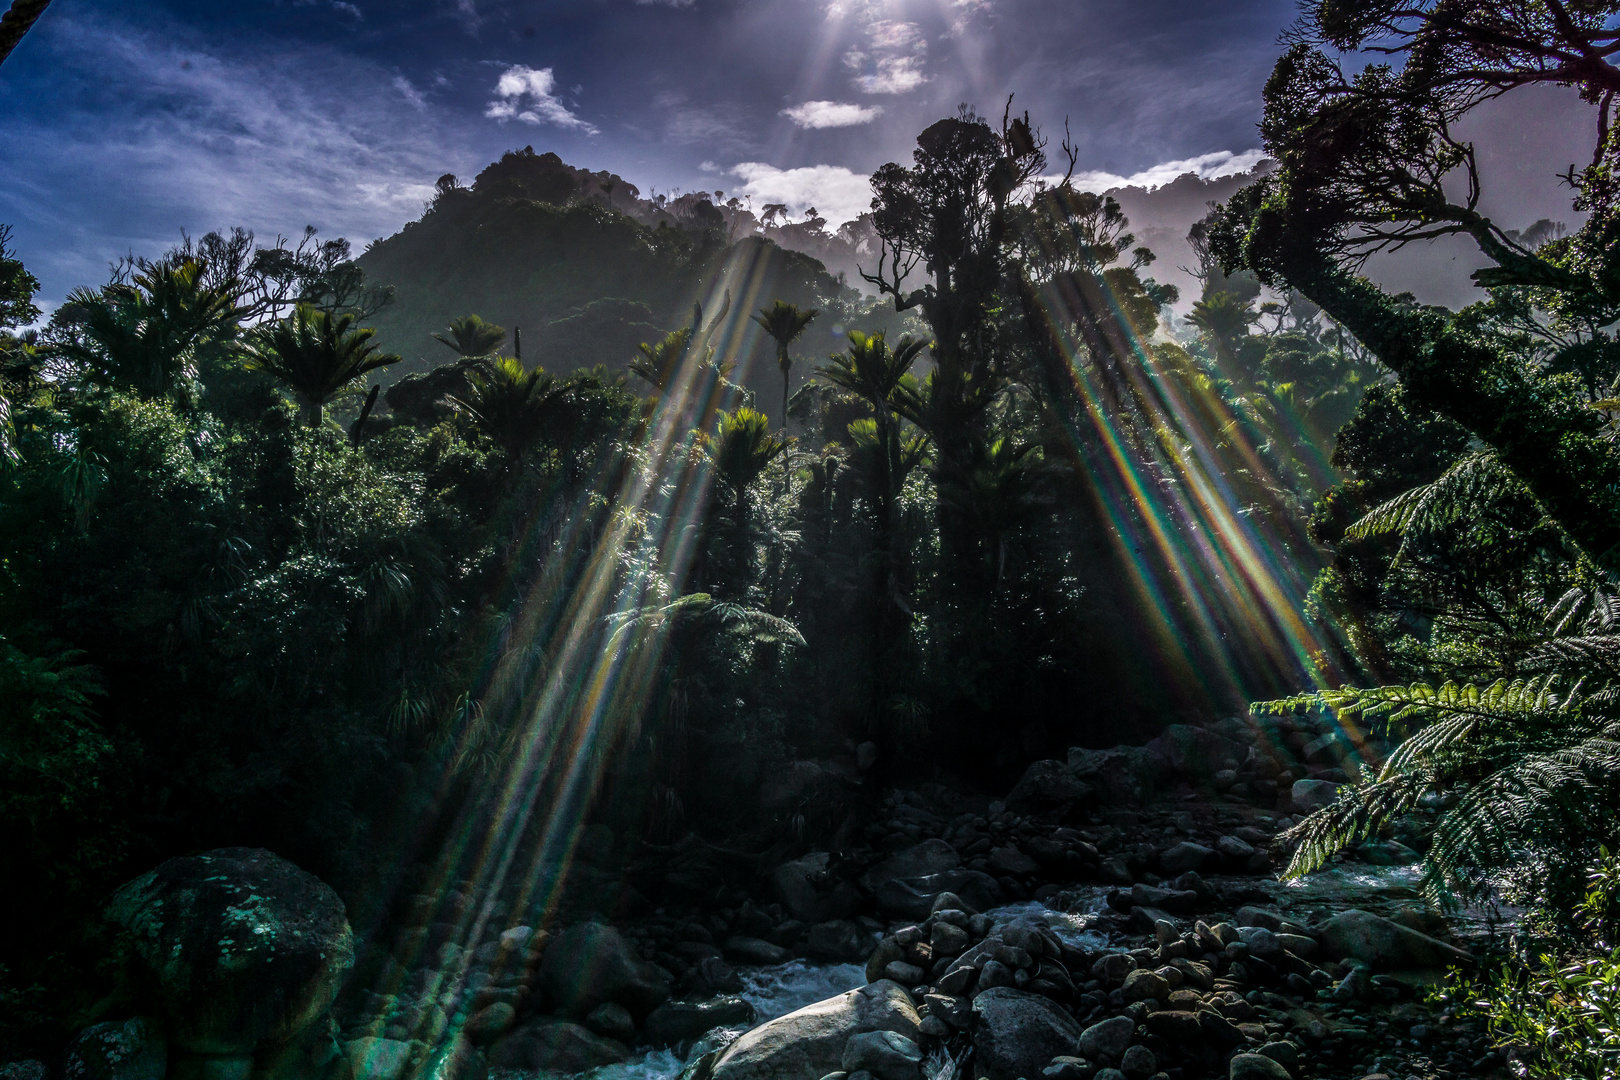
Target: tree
{"points": [[784, 323], [1369, 162], [147, 335], [471, 337], [316, 354], [512, 405], [16, 21]]}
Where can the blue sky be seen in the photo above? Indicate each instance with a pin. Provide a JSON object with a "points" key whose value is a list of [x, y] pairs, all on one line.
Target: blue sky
{"points": [[124, 124]]}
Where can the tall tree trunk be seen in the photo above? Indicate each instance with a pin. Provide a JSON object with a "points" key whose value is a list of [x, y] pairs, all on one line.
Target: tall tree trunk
{"points": [[313, 413]]}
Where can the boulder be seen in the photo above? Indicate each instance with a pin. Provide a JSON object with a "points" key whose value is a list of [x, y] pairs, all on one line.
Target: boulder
{"points": [[913, 898], [887, 1055], [1107, 1041], [809, 1044], [373, 1058], [1138, 1063], [797, 885], [1311, 795], [838, 940], [1256, 1067], [1183, 857], [677, 1021], [1382, 943], [1018, 1033], [613, 1021], [748, 950], [921, 860], [237, 949], [1123, 776], [128, 1050], [550, 1043], [1141, 985], [28, 1069], [490, 1022], [1238, 850], [1175, 1026], [1008, 860], [457, 1059], [1195, 752], [1048, 789], [590, 963]]}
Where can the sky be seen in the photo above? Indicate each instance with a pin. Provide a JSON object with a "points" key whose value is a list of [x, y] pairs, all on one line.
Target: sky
{"points": [[124, 125]]}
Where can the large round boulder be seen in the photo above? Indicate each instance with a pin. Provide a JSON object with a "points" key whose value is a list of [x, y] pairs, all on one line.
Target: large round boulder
{"points": [[1382, 943], [592, 963], [1016, 1033], [553, 1045], [1049, 789], [809, 1044], [238, 949], [131, 1050]]}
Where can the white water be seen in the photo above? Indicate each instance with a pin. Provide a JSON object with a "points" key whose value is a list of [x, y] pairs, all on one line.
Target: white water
{"points": [[1071, 928]]}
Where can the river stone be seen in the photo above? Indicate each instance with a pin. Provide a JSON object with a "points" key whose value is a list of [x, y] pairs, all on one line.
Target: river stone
{"points": [[1008, 860], [1107, 1041], [839, 939], [1141, 985], [130, 1050], [796, 886], [1256, 1067], [1122, 776], [677, 1021], [1184, 856], [1175, 1026], [1138, 1063], [24, 1070], [550, 1043], [913, 898], [372, 1058], [590, 963], [612, 1020], [1312, 795], [749, 950], [920, 860], [1233, 848], [489, 1022], [887, 1055], [1018, 1033], [1048, 789], [809, 1044], [457, 1059], [1375, 940], [236, 948]]}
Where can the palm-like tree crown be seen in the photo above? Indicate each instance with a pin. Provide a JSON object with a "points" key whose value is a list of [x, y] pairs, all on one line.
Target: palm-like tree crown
{"points": [[145, 336], [870, 368], [784, 322], [471, 336], [742, 446], [512, 405], [316, 354]]}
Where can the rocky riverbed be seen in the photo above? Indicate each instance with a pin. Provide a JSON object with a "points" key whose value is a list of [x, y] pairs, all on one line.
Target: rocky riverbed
{"points": [[1115, 916]]}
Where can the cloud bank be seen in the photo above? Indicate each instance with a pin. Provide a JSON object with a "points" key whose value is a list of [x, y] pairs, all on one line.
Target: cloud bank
{"points": [[525, 94], [832, 114]]}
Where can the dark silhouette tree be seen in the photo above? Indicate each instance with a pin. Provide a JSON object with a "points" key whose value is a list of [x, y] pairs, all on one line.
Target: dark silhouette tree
{"points": [[470, 337], [512, 405], [16, 22], [784, 323]]}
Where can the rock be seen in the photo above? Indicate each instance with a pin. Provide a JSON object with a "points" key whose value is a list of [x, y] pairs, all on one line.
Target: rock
{"points": [[677, 1021], [947, 939], [955, 1011], [1195, 752], [1048, 789], [797, 886], [1253, 916], [1283, 1053], [809, 1044], [866, 755], [921, 860], [748, 950], [1184, 856], [1175, 901], [457, 1059], [1387, 853], [995, 974], [1068, 1067], [490, 1022], [1233, 848], [1380, 942], [1143, 985], [1256, 1067], [1107, 1041], [710, 976], [1008, 860], [1123, 776], [903, 973], [1138, 1063], [372, 1058], [590, 963], [613, 1021], [1018, 1033], [1301, 946], [1175, 1026], [128, 1050], [235, 948], [913, 898], [1311, 795], [1113, 967], [839, 939], [551, 1043], [1109, 1074], [1218, 1029], [23, 1070], [887, 1055]]}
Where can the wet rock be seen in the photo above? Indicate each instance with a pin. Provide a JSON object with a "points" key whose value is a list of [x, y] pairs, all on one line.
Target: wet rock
{"points": [[551, 1043], [1138, 1063], [1380, 942], [1113, 967], [591, 963], [612, 1020], [235, 948], [1008, 860], [1254, 916], [1312, 795], [903, 973], [1175, 901], [490, 1022], [1106, 1041], [836, 940], [947, 939], [1256, 1067], [921, 860], [1301, 946], [678, 1021], [372, 1058], [913, 898], [750, 950], [994, 974], [1143, 985], [1068, 1067], [1017, 1033], [1235, 849], [457, 1059], [955, 1011], [887, 1055], [809, 1044], [127, 1050], [1048, 789], [710, 976], [1184, 856], [1195, 752]]}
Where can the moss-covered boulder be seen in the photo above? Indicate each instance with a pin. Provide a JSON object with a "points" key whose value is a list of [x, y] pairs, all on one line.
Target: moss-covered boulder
{"points": [[237, 949]]}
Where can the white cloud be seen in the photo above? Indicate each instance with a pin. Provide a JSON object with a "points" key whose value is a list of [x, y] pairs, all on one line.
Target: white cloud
{"points": [[409, 92], [523, 93], [467, 14], [838, 194], [894, 75], [708, 166], [897, 36], [1205, 167], [831, 114]]}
